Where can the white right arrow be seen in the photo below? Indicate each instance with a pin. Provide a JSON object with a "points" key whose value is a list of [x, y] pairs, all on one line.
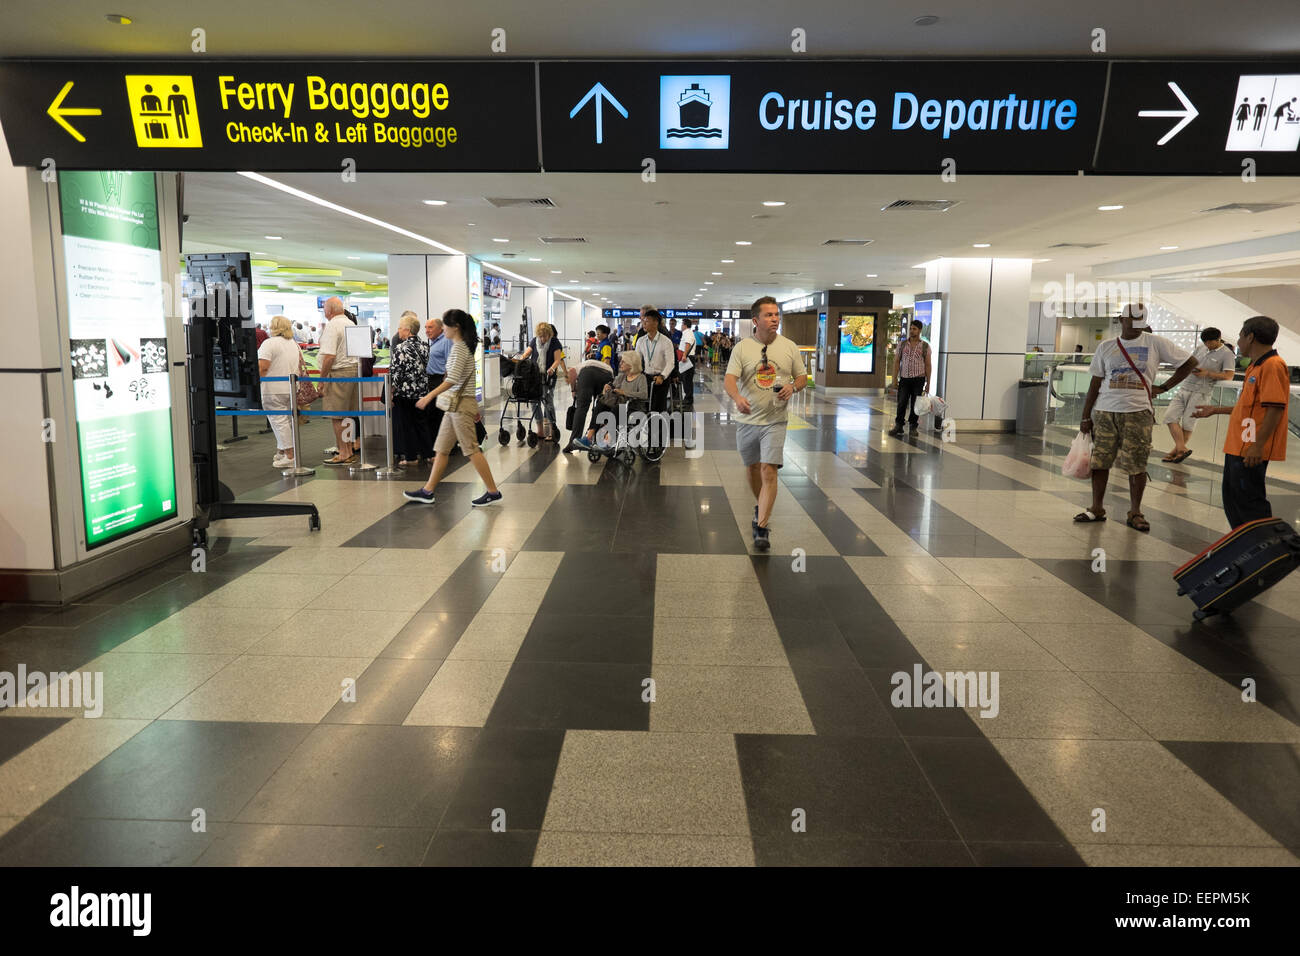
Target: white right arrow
{"points": [[1188, 113]]}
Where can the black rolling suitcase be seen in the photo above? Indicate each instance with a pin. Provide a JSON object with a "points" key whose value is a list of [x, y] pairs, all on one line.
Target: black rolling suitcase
{"points": [[1245, 562]]}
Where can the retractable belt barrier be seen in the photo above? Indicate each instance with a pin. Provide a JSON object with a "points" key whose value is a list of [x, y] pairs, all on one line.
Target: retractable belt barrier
{"points": [[293, 411]]}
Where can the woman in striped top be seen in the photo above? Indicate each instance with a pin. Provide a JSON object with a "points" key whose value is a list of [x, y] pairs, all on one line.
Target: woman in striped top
{"points": [[456, 396]]}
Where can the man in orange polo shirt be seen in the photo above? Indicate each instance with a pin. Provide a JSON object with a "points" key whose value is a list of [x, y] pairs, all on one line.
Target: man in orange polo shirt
{"points": [[1257, 430]]}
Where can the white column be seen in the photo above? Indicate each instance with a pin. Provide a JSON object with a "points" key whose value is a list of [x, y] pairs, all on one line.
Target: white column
{"points": [[981, 356]]}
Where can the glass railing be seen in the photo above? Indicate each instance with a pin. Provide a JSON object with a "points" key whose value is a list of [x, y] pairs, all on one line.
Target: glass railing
{"points": [[1038, 364]]}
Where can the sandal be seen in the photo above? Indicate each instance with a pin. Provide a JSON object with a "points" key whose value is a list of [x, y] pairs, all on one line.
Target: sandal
{"points": [[1138, 522], [341, 461], [1183, 457], [1088, 516]]}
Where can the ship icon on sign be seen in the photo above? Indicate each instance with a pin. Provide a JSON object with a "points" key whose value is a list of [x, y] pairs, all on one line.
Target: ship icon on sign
{"points": [[693, 109], [694, 112]]}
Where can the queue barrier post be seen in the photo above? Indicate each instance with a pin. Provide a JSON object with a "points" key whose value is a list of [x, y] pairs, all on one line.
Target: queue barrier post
{"points": [[361, 436], [298, 470], [388, 471]]}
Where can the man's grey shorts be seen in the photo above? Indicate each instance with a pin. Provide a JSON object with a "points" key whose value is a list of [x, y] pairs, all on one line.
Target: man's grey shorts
{"points": [[761, 444], [1183, 406]]}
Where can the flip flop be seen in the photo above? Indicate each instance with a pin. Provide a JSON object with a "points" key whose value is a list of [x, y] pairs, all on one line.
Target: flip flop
{"points": [[1138, 522], [1088, 516], [1183, 457], [1169, 460]]}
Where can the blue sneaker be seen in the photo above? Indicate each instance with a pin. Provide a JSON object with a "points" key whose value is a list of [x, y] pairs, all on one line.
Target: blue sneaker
{"points": [[420, 495], [487, 498], [761, 541], [584, 443]]}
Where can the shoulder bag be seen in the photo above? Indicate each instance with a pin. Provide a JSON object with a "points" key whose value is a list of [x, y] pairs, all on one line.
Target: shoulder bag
{"points": [[308, 391], [447, 403]]}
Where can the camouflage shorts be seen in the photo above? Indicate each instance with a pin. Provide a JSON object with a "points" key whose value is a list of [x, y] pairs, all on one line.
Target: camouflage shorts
{"points": [[1122, 440]]}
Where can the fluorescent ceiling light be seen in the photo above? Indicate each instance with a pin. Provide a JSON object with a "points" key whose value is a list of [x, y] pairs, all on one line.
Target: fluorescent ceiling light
{"points": [[743, 242], [715, 273], [980, 245], [1166, 248], [707, 282], [354, 257], [344, 210], [500, 240], [839, 283], [273, 237], [773, 202], [872, 275], [435, 202], [557, 272], [534, 260], [1108, 208], [727, 260]]}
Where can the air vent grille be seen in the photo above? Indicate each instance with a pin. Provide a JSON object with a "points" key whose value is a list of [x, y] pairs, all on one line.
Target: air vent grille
{"points": [[1077, 245], [1249, 207], [921, 205], [554, 240], [847, 242], [502, 202]]}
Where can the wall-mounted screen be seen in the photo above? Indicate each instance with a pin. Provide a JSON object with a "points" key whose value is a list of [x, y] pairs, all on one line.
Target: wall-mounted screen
{"points": [[495, 286], [857, 354]]}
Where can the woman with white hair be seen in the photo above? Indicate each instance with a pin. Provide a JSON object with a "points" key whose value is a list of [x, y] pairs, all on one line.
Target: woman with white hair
{"points": [[278, 357], [410, 356], [545, 350], [630, 383]]}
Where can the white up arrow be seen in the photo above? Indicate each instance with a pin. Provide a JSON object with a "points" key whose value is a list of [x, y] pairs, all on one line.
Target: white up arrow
{"points": [[601, 94], [1187, 114]]}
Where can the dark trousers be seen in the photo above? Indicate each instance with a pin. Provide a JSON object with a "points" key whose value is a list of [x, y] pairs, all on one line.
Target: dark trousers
{"points": [[432, 413], [688, 385], [1243, 491], [411, 438], [591, 382], [909, 390]]}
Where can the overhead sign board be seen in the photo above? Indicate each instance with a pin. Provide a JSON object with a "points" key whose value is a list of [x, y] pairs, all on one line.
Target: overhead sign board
{"points": [[1202, 118], [821, 116], [770, 116], [271, 116]]}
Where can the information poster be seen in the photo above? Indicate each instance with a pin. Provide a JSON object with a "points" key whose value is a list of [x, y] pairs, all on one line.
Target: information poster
{"points": [[857, 343], [118, 350]]}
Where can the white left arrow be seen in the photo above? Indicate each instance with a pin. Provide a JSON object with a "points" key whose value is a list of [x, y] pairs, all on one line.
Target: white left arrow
{"points": [[1188, 113]]}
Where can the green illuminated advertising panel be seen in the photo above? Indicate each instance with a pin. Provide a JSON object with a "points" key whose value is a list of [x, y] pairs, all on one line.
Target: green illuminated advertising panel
{"points": [[118, 346]]}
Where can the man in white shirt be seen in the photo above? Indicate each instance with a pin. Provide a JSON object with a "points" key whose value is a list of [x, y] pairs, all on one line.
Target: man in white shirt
{"points": [[1118, 410], [336, 363], [1215, 363], [658, 356], [763, 372]]}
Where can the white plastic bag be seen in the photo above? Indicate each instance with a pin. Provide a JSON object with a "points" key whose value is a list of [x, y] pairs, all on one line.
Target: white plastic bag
{"points": [[1078, 463], [938, 408], [922, 405]]}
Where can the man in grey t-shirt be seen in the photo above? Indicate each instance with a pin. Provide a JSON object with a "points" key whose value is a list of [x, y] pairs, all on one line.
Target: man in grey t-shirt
{"points": [[1215, 363], [763, 371]]}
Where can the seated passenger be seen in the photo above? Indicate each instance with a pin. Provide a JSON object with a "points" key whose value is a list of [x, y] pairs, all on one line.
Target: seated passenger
{"points": [[630, 383]]}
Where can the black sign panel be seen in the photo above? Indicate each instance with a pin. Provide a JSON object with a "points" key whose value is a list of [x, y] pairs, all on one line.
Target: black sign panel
{"points": [[1202, 118], [268, 116], [819, 116]]}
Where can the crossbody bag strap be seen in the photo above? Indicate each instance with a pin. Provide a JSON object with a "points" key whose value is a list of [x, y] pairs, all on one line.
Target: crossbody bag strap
{"points": [[1142, 378]]}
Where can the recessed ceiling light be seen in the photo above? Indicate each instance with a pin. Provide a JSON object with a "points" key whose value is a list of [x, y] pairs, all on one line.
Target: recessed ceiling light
{"points": [[727, 260], [354, 257], [1168, 247], [557, 272], [471, 224], [872, 275], [773, 202], [839, 283], [980, 245], [435, 202], [715, 273], [743, 242], [121, 19], [500, 240], [573, 280], [273, 237], [1108, 208], [530, 259]]}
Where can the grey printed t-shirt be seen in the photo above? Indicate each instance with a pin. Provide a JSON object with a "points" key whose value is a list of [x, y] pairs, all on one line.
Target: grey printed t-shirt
{"points": [[755, 381]]}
